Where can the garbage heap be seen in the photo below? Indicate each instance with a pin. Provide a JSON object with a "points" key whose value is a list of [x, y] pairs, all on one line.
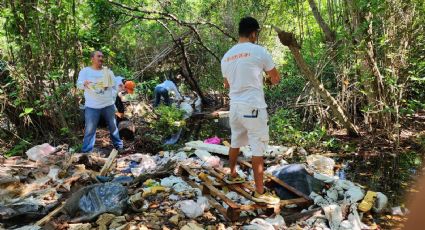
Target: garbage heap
{"points": [[57, 189]]}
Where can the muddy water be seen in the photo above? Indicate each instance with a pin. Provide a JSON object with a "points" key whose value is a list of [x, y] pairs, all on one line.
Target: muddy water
{"points": [[390, 174]]}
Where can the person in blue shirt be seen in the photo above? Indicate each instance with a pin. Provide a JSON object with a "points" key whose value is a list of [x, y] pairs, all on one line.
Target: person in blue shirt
{"points": [[163, 90]]}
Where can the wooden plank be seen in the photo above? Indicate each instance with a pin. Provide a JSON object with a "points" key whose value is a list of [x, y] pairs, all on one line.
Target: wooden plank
{"points": [[47, 218], [213, 191], [278, 181], [109, 162], [211, 188], [214, 203], [234, 187], [287, 186], [232, 213], [282, 202], [237, 188], [246, 185]]}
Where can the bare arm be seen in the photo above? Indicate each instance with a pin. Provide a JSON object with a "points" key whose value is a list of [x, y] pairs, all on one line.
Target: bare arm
{"points": [[226, 84], [274, 76]]}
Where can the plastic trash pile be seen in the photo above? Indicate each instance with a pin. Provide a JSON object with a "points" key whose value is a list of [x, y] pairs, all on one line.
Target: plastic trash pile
{"points": [[143, 191]]}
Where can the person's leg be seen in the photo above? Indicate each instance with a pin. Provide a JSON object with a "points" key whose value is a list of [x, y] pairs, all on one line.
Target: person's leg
{"points": [[157, 97], [239, 138], [109, 114], [233, 157], [166, 96], [258, 135], [258, 168], [120, 105], [91, 120]]}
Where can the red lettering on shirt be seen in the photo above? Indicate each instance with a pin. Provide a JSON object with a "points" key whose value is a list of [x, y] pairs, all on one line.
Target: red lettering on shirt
{"points": [[237, 56]]}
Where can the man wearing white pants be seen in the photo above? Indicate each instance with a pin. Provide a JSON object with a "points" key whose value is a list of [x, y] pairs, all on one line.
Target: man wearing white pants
{"points": [[242, 67]]}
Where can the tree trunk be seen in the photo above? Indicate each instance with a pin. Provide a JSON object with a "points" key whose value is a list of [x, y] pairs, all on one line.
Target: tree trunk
{"points": [[189, 75], [329, 34], [288, 39]]}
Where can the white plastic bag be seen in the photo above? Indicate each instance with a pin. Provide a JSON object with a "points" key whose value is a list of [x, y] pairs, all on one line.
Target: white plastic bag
{"points": [[380, 203], [192, 209], [334, 215], [147, 164], [40, 152], [266, 224], [208, 159], [354, 194]]}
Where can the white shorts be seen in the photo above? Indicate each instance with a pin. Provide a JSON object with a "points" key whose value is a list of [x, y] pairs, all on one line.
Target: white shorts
{"points": [[249, 126]]}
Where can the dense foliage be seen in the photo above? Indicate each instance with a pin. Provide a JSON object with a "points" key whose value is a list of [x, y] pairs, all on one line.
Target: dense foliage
{"points": [[372, 61]]}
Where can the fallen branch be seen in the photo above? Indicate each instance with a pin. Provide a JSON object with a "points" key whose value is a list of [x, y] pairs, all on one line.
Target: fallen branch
{"points": [[288, 39]]}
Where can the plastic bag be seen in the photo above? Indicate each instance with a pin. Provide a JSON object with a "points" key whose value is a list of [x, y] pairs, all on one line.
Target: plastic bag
{"points": [[213, 140], [147, 164], [207, 158], [94, 200], [380, 203], [187, 107], [268, 224], [296, 176], [40, 152], [192, 209]]}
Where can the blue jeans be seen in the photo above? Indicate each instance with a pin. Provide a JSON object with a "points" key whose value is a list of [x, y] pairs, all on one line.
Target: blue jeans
{"points": [[161, 92], [92, 119]]}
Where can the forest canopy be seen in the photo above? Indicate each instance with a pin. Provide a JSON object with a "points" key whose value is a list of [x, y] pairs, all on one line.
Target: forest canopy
{"points": [[365, 59]]}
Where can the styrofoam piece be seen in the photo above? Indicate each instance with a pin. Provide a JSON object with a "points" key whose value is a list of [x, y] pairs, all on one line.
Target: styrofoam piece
{"points": [[218, 149]]}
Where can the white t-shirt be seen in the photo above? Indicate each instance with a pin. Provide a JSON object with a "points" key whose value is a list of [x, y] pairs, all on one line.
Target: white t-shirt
{"points": [[243, 67], [96, 95], [171, 87]]}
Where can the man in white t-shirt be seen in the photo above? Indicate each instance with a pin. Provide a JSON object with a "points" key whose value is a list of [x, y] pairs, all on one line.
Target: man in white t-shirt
{"points": [[242, 67], [100, 91]]}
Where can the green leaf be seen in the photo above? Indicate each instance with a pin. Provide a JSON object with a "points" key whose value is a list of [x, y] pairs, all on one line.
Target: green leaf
{"points": [[26, 112]]}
